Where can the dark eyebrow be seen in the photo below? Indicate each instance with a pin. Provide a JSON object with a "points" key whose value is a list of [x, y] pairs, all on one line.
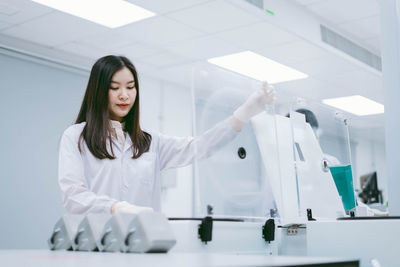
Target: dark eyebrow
{"points": [[127, 82]]}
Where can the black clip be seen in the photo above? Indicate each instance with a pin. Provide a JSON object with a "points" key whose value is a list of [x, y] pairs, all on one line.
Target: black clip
{"points": [[205, 229], [210, 210], [309, 215], [268, 230]]}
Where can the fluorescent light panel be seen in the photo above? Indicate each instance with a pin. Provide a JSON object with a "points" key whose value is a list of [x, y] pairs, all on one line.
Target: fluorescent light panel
{"points": [[110, 13], [257, 67], [356, 104]]}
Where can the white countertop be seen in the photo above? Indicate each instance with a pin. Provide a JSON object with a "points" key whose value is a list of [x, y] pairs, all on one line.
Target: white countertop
{"points": [[47, 258]]}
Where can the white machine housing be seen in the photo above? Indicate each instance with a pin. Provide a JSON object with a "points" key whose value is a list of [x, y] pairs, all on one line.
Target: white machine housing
{"points": [[64, 232], [89, 234], [149, 232]]}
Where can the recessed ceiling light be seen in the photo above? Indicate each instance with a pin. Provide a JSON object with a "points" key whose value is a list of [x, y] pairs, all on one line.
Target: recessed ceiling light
{"points": [[257, 67], [110, 13], [356, 104]]}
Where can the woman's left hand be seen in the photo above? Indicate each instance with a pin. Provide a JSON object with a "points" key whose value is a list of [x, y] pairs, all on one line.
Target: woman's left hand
{"points": [[256, 103]]}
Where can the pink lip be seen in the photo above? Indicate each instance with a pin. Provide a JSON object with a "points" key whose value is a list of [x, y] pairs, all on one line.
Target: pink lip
{"points": [[123, 106]]}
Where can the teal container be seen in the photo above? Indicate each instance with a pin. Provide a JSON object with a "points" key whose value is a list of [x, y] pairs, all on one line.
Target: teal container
{"points": [[344, 183]]}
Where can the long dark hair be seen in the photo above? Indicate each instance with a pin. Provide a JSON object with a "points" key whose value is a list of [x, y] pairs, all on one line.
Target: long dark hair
{"points": [[95, 111]]}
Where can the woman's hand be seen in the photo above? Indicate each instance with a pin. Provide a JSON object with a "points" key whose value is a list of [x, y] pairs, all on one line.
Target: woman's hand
{"points": [[254, 105], [125, 207]]}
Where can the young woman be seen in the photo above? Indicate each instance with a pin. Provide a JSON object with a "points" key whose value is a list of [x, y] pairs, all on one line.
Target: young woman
{"points": [[107, 163]]}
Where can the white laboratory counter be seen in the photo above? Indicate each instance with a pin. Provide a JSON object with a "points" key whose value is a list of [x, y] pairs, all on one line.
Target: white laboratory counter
{"points": [[47, 258]]}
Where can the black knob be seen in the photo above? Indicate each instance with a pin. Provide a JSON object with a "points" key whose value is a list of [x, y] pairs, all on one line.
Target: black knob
{"points": [[241, 152]]}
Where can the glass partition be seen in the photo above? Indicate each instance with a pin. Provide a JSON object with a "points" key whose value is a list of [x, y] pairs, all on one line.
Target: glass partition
{"points": [[284, 163], [232, 182], [323, 159]]}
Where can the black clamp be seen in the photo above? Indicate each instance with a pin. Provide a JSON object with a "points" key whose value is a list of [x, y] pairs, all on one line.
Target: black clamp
{"points": [[309, 215], [210, 210], [268, 230], [205, 229]]}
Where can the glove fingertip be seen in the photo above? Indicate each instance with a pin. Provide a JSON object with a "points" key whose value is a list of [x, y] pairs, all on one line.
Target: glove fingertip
{"points": [[264, 83]]}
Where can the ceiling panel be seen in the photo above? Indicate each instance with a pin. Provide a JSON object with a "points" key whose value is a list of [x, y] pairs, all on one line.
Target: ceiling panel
{"points": [[166, 59], [307, 2], [358, 19], [204, 48], [340, 11], [8, 9], [4, 25], [213, 17], [107, 39], [257, 36], [362, 28], [250, 8], [309, 88], [357, 82], [324, 65], [292, 52], [161, 7], [87, 51], [374, 43], [157, 31], [22, 11], [54, 29], [137, 51]]}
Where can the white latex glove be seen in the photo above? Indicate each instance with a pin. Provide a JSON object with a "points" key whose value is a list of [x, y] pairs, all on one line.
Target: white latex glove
{"points": [[255, 103], [370, 211], [376, 212], [125, 207]]}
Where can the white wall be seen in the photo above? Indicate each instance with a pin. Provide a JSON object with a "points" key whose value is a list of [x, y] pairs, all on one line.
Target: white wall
{"points": [[37, 103]]}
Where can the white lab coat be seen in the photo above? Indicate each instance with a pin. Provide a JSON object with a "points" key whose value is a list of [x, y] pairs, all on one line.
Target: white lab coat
{"points": [[92, 185]]}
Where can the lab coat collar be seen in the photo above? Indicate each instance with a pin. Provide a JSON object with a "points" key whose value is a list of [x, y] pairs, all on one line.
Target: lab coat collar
{"points": [[128, 142], [117, 124], [127, 145]]}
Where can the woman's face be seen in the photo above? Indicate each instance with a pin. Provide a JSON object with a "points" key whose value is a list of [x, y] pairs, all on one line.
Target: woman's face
{"points": [[122, 94]]}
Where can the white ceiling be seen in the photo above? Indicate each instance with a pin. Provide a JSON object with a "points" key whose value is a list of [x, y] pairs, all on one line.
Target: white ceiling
{"points": [[189, 31], [359, 18]]}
